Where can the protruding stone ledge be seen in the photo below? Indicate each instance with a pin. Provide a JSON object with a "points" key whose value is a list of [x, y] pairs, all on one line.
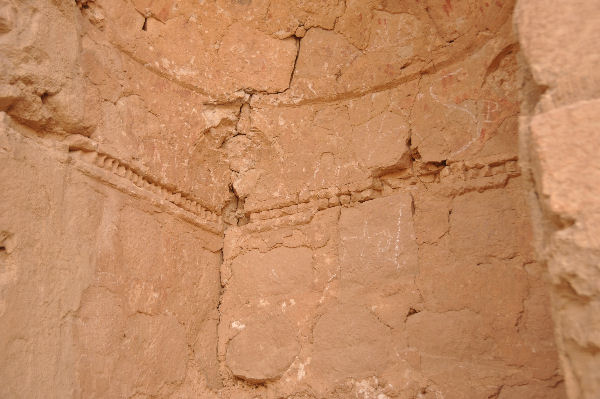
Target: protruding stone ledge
{"points": [[84, 154], [465, 176]]}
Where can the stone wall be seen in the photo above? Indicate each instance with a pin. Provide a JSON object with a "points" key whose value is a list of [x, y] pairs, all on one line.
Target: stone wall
{"points": [[107, 290], [304, 199], [560, 142]]}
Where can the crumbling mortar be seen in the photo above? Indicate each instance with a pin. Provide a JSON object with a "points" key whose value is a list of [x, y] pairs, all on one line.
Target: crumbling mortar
{"points": [[233, 211]]}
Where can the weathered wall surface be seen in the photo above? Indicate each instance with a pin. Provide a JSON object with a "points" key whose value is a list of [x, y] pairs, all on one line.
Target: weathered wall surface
{"points": [[391, 297], [561, 140], [110, 246], [254, 199], [391, 256], [107, 291]]}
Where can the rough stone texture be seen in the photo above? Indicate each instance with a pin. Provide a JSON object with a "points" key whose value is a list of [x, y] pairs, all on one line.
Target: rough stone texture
{"points": [[560, 140], [292, 199], [105, 293]]}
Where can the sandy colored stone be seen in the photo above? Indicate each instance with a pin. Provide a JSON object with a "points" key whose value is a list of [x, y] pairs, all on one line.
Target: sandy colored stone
{"points": [[107, 309], [349, 342], [263, 350], [559, 138], [552, 30], [388, 258], [333, 199], [572, 261], [42, 83]]}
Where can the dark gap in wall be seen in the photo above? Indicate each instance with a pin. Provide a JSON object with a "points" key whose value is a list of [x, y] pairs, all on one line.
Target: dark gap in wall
{"points": [[82, 4], [414, 154]]}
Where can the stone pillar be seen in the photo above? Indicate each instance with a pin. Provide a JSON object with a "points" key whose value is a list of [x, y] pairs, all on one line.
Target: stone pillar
{"points": [[560, 146]]}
